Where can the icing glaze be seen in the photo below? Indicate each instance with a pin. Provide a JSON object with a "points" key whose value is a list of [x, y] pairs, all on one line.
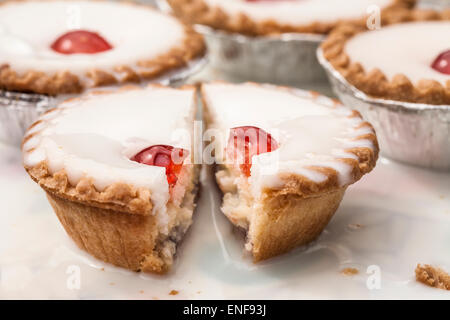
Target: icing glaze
{"points": [[299, 12], [136, 33], [417, 44], [95, 137], [311, 131]]}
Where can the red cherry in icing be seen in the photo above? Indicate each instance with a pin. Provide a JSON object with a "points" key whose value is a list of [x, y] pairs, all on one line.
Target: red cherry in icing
{"points": [[442, 62], [164, 156], [245, 142], [80, 41]]}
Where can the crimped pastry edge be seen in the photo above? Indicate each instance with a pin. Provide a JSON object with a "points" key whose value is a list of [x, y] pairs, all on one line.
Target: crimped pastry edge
{"points": [[374, 82]]}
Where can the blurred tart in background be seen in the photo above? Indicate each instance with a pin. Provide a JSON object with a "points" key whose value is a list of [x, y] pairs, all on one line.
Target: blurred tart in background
{"points": [[265, 17], [88, 44]]}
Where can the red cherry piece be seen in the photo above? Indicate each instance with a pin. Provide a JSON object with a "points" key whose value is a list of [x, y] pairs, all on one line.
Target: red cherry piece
{"points": [[164, 156], [442, 63], [80, 41], [245, 142]]}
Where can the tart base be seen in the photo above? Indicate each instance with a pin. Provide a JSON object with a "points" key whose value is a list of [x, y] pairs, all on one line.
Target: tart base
{"points": [[125, 240], [279, 221], [288, 221]]}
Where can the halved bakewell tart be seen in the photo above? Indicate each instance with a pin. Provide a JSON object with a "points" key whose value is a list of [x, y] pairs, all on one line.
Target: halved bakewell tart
{"points": [[57, 47], [265, 17], [117, 170], [285, 159], [416, 69]]}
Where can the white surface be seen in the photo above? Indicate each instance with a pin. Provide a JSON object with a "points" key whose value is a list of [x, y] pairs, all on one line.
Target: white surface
{"points": [[420, 42], [299, 12], [404, 213]]}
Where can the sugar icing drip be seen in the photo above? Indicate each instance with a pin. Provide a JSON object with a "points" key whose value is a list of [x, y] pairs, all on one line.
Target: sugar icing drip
{"points": [[311, 131], [95, 136]]}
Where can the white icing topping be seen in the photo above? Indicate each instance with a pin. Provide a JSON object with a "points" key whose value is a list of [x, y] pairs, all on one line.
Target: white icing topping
{"points": [[96, 136], [27, 30], [310, 131], [408, 48], [299, 12]]}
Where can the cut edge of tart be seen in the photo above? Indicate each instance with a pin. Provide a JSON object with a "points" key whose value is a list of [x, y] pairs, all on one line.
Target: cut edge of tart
{"points": [[65, 81], [122, 223], [374, 82], [295, 211], [198, 12]]}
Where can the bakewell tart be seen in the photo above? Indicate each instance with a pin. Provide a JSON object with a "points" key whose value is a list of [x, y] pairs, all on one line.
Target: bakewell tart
{"points": [[57, 47], [285, 158], [415, 69], [265, 17], [117, 170]]}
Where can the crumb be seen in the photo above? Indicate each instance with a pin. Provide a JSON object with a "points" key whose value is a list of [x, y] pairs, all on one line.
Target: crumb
{"points": [[198, 292], [173, 292], [189, 281], [102, 269], [441, 197], [350, 271], [355, 226], [155, 298], [112, 284], [433, 276], [141, 292]]}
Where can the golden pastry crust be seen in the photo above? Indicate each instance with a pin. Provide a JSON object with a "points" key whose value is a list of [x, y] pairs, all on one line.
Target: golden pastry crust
{"points": [[286, 221], [374, 82], [198, 12], [125, 240], [64, 82], [433, 276]]}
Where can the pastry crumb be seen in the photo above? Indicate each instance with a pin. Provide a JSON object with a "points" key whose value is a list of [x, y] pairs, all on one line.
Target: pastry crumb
{"points": [[112, 284], [433, 276], [350, 271], [141, 292], [173, 292], [355, 226]]}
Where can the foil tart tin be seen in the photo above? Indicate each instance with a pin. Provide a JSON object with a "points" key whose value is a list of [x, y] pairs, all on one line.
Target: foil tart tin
{"points": [[287, 59], [435, 4], [413, 133], [19, 110]]}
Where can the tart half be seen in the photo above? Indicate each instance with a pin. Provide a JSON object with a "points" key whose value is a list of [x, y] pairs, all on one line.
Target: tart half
{"points": [[264, 17], [285, 159], [117, 170], [56, 47], [415, 69]]}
